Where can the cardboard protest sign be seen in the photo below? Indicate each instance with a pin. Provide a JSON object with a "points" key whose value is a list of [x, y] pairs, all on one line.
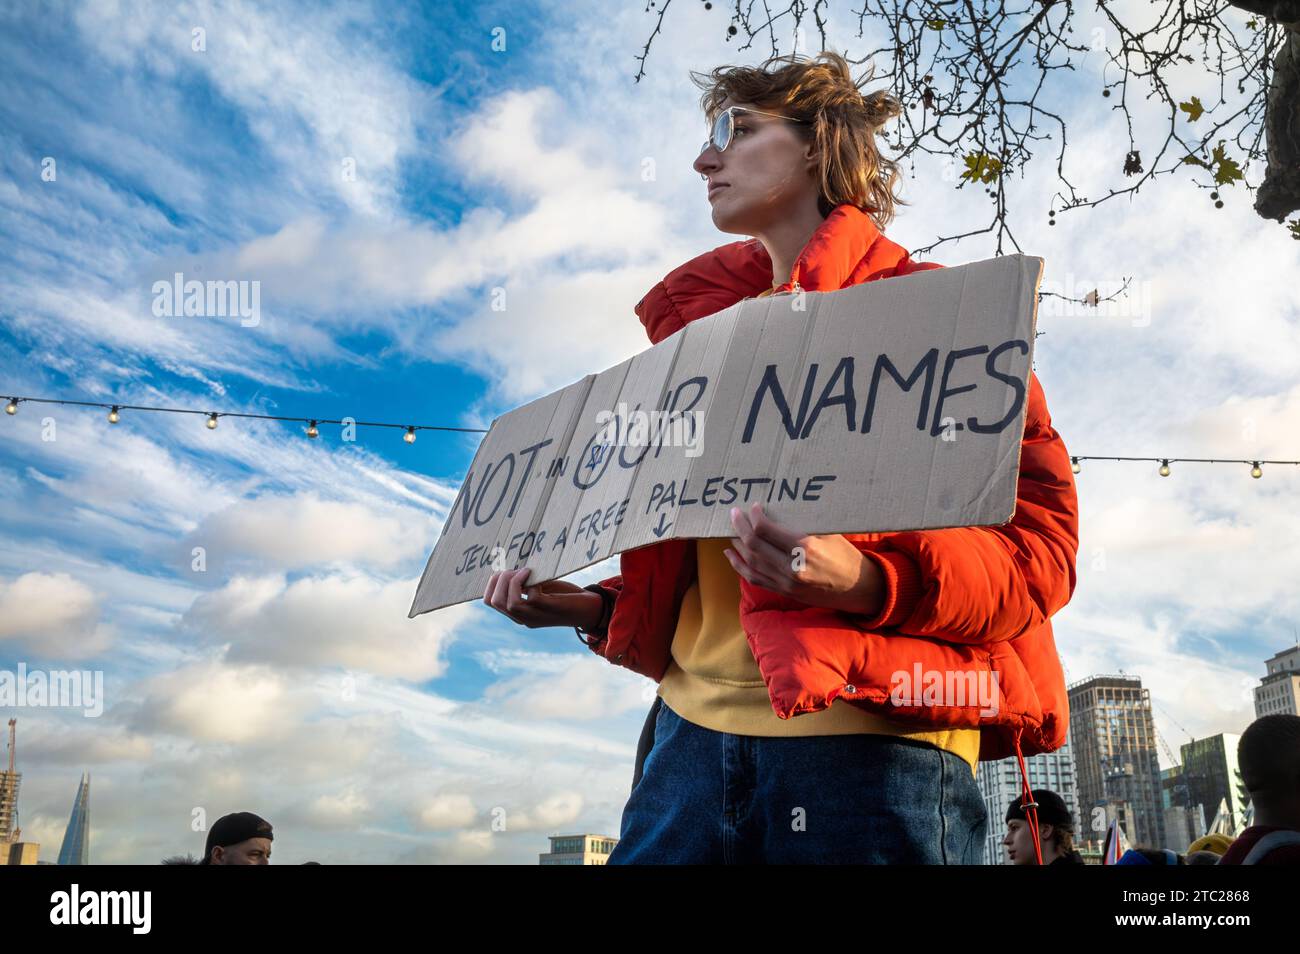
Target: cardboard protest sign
{"points": [[892, 405]]}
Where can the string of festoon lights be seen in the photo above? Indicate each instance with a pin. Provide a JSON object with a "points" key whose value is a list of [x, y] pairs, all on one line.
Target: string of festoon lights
{"points": [[313, 431], [313, 423]]}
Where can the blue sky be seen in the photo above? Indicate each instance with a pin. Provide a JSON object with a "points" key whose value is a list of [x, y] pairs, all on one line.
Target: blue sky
{"points": [[285, 677]]}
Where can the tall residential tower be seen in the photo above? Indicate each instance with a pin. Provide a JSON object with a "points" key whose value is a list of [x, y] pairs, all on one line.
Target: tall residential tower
{"points": [[1118, 769]]}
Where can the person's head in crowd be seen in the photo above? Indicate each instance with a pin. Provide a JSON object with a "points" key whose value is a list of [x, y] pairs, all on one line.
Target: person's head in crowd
{"points": [[241, 838], [1214, 843], [1268, 757], [1150, 856], [1055, 830], [1208, 849]]}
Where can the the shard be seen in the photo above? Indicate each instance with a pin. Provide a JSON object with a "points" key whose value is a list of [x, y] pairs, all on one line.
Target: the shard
{"points": [[76, 840]]}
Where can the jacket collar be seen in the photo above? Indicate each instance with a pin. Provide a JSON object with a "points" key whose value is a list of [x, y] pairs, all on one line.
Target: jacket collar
{"points": [[844, 250], [830, 257]]}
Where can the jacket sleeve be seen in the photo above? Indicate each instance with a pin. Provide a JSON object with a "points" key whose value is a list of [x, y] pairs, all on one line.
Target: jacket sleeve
{"points": [[985, 584], [906, 266], [613, 586]]}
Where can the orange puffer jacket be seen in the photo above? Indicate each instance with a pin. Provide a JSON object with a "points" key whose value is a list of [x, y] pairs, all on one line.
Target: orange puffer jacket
{"points": [[962, 603]]}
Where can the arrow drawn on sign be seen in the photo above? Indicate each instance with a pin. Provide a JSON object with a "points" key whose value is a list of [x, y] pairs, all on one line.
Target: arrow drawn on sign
{"points": [[662, 528]]}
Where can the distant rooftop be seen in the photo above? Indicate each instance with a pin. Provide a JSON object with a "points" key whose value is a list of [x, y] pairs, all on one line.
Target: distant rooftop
{"points": [[1117, 679]]}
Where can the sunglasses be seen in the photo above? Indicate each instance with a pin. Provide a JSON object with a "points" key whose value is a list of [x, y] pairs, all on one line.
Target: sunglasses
{"points": [[724, 127]]}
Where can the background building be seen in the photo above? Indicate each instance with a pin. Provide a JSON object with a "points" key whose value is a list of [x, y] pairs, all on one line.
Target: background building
{"points": [[1184, 821], [999, 783], [578, 850], [1279, 692], [1211, 773], [20, 853], [1117, 768], [76, 840]]}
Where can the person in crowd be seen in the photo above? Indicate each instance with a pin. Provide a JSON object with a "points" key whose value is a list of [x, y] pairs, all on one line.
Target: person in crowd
{"points": [[240, 838], [1055, 831], [1208, 849], [1268, 757]]}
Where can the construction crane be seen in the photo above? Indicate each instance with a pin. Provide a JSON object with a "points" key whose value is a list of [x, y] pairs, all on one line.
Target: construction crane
{"points": [[1177, 725], [15, 833], [1169, 753]]}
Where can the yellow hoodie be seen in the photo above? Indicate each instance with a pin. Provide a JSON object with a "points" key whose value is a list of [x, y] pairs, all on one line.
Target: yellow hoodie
{"points": [[713, 679]]}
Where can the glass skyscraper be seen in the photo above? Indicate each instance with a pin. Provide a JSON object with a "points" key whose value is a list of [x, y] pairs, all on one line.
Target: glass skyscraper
{"points": [[76, 840]]}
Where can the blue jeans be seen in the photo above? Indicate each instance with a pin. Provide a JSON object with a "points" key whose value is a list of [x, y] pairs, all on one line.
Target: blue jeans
{"points": [[708, 797]]}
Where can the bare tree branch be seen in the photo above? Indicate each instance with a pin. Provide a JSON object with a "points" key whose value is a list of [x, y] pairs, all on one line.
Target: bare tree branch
{"points": [[980, 87]]}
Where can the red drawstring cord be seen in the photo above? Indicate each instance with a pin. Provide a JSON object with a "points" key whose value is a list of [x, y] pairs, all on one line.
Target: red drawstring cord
{"points": [[1027, 803]]}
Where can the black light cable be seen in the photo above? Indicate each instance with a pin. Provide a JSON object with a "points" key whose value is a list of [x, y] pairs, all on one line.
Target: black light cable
{"points": [[114, 415]]}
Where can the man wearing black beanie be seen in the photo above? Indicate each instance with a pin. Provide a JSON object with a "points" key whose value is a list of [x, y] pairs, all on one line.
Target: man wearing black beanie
{"points": [[241, 838], [1055, 831]]}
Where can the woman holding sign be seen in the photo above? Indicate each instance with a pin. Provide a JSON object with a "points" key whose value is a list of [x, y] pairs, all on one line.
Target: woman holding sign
{"points": [[822, 698]]}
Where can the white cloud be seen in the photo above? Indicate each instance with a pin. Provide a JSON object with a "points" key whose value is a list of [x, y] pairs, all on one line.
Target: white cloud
{"points": [[76, 742], [213, 702], [564, 687], [315, 89], [1198, 692], [552, 332], [572, 205], [552, 813], [52, 614], [299, 530], [447, 811], [336, 620], [470, 846], [344, 809]]}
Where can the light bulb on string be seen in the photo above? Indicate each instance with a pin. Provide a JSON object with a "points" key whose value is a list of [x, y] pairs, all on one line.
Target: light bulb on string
{"points": [[12, 406], [212, 421]]}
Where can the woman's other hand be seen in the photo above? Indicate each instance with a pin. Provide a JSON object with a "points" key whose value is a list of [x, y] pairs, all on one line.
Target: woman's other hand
{"points": [[820, 570], [556, 603]]}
